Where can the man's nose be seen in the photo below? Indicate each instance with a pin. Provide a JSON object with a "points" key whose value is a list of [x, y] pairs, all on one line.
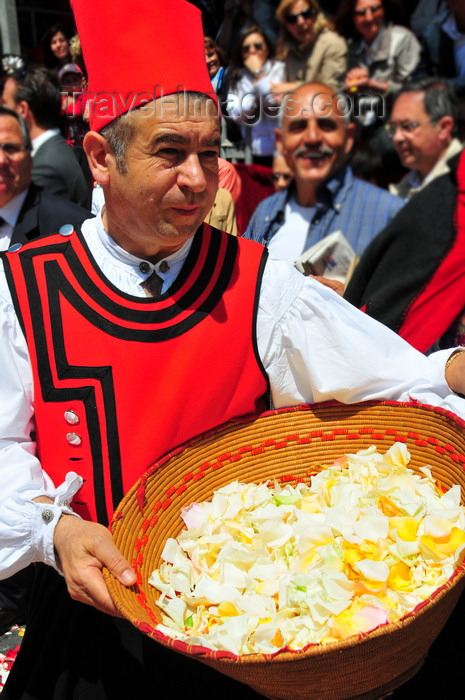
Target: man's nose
{"points": [[191, 174], [312, 132]]}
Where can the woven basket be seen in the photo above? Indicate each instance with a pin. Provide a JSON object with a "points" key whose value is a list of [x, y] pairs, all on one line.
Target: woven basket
{"points": [[287, 445]]}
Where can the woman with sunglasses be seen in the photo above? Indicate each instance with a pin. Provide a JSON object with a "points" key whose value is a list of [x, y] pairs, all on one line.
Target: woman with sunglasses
{"points": [[310, 49], [382, 53], [250, 100]]}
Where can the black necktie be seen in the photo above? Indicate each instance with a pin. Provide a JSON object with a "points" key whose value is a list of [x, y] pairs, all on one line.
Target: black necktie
{"points": [[152, 285]]}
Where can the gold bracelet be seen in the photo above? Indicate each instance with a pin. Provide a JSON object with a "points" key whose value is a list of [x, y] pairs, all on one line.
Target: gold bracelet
{"points": [[451, 359]]}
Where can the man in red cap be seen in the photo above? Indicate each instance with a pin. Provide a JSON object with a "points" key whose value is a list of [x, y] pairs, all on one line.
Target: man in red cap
{"points": [[131, 336]]}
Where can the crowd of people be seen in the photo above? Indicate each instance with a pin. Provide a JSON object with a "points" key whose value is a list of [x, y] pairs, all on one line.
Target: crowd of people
{"points": [[322, 216]]}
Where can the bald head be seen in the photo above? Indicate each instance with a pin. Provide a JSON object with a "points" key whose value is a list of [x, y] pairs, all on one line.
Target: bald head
{"points": [[315, 137]]}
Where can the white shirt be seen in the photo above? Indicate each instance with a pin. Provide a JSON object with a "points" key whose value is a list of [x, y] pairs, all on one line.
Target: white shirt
{"points": [[10, 212], [313, 344], [288, 243]]}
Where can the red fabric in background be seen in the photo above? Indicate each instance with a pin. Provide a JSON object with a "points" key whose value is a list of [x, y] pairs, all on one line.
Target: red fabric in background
{"points": [[443, 297], [256, 185]]}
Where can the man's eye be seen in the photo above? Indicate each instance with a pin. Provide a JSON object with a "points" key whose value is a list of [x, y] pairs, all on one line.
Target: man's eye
{"points": [[209, 154], [167, 152], [327, 124], [297, 125]]}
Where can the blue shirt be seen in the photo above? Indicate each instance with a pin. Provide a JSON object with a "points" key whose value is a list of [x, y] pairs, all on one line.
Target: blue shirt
{"points": [[345, 203]]}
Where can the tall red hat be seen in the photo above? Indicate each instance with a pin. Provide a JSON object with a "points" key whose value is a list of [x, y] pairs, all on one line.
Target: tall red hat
{"points": [[137, 52]]}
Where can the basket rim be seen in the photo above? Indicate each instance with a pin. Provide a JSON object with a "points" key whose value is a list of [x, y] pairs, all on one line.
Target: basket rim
{"points": [[140, 483]]}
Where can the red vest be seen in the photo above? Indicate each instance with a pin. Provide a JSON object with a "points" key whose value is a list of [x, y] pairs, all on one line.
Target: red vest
{"points": [[120, 380]]}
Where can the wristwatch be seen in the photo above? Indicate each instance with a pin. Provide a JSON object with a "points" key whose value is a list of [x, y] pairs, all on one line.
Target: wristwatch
{"points": [[257, 73]]}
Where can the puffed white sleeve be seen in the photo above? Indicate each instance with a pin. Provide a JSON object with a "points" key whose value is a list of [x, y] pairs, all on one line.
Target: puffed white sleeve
{"points": [[315, 346], [26, 526]]}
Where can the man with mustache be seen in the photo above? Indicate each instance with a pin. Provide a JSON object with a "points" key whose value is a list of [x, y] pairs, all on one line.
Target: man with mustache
{"points": [[316, 139]]}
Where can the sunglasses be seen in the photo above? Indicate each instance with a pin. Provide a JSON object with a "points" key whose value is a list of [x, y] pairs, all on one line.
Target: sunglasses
{"points": [[305, 14], [258, 46], [373, 9]]}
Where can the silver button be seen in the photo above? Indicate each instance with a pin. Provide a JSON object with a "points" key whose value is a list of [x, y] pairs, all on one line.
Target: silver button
{"points": [[47, 515], [71, 417], [15, 247], [73, 438], [64, 504], [164, 267], [144, 267], [66, 230]]}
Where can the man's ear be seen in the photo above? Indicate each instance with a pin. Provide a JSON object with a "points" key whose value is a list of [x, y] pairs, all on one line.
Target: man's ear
{"points": [[446, 126], [97, 149], [23, 109]]}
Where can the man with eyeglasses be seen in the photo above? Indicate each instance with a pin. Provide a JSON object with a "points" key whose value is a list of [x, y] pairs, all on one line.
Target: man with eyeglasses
{"points": [[411, 276], [423, 130]]}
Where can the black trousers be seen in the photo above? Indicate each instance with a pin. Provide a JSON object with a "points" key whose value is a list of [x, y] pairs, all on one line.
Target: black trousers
{"points": [[73, 652]]}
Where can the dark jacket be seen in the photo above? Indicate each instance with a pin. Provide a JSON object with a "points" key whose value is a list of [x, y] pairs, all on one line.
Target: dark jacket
{"points": [[43, 213], [409, 277], [57, 170]]}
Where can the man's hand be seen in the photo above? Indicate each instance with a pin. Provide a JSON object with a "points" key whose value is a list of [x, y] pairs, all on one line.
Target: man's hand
{"points": [[83, 549]]}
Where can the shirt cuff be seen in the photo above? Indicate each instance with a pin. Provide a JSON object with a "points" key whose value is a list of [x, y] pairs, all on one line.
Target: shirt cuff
{"points": [[45, 517]]}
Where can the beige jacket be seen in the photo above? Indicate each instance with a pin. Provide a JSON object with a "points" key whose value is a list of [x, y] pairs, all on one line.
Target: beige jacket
{"points": [[410, 183], [324, 60], [222, 215]]}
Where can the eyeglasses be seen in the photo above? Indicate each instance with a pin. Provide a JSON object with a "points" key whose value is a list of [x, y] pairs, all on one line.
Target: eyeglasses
{"points": [[373, 9], [258, 46], [305, 14], [277, 176], [405, 127], [12, 149]]}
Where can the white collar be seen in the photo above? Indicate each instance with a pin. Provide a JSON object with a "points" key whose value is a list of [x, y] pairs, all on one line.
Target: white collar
{"points": [[124, 259], [10, 211]]}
